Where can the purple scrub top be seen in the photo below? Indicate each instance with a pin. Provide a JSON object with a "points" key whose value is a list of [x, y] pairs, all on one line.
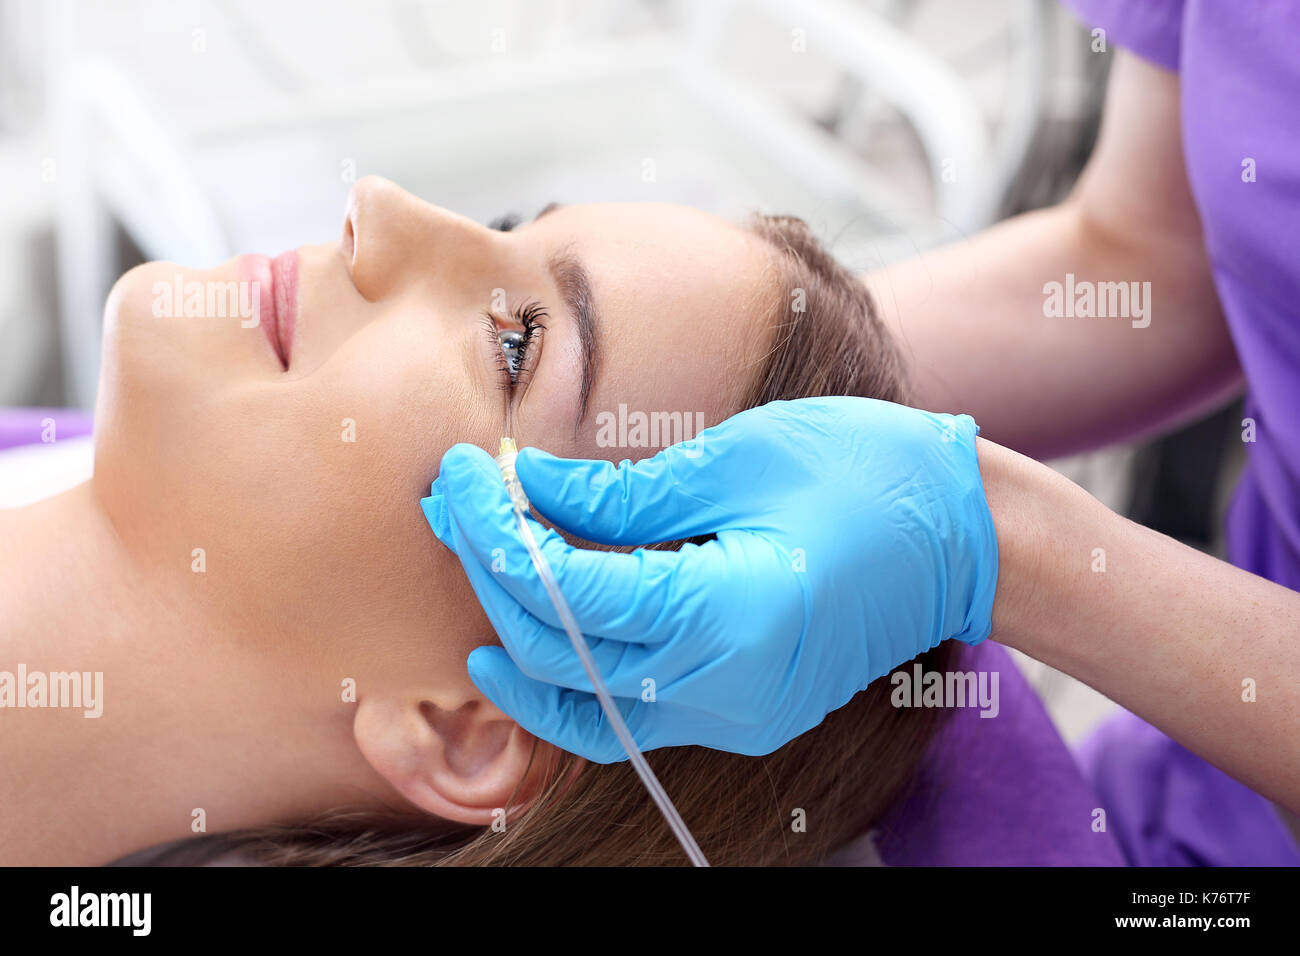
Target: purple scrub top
{"points": [[1239, 76], [1239, 70]]}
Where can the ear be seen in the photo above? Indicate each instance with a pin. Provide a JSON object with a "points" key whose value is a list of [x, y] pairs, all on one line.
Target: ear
{"points": [[459, 758]]}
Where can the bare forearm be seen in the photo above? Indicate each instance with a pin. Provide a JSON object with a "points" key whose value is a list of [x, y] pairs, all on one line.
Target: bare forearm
{"points": [[970, 321], [1208, 653], [970, 317]]}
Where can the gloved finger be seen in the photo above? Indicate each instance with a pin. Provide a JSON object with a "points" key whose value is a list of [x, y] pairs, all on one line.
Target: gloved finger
{"points": [[679, 493], [435, 512], [572, 720], [545, 653], [480, 499], [626, 597]]}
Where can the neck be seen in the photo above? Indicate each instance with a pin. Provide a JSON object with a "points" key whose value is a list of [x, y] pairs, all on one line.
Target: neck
{"points": [[172, 729]]}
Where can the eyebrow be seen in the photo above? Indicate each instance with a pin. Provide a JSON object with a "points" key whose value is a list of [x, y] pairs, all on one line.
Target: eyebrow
{"points": [[575, 289], [548, 208], [507, 222]]}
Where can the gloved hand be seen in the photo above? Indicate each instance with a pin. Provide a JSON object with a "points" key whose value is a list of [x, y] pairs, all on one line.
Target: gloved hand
{"points": [[851, 535]]}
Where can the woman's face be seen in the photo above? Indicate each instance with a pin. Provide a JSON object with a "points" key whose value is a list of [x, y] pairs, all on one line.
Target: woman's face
{"points": [[300, 482]]}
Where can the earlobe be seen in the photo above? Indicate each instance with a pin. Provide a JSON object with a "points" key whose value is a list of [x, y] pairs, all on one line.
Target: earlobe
{"points": [[459, 759]]}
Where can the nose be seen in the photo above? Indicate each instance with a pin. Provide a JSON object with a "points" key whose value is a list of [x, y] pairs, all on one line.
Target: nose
{"points": [[391, 237]]}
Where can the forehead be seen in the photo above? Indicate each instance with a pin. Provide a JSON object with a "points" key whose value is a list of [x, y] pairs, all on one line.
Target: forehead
{"points": [[684, 300], [643, 252]]}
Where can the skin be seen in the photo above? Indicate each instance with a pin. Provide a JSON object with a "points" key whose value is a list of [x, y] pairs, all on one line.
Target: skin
{"points": [[223, 689], [969, 316], [1167, 632]]}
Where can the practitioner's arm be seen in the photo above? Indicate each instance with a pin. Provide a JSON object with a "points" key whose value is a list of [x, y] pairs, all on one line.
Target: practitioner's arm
{"points": [[1206, 652], [969, 317]]}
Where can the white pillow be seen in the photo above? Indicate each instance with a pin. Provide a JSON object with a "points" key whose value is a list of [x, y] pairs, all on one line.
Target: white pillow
{"points": [[31, 472]]}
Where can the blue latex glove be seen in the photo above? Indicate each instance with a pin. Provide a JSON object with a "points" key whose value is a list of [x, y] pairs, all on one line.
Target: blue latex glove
{"points": [[851, 535]]}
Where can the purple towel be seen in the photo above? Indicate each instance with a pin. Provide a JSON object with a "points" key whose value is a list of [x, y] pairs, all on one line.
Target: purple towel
{"points": [[998, 791], [1006, 791], [24, 426]]}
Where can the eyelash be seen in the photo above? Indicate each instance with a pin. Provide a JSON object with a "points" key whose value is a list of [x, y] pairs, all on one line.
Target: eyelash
{"points": [[528, 316]]}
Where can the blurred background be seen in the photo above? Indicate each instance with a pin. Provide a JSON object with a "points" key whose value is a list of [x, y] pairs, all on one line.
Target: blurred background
{"points": [[195, 130]]}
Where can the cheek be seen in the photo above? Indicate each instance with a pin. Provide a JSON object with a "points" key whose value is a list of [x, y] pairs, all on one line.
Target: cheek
{"points": [[386, 599], [304, 495], [162, 377], [346, 457]]}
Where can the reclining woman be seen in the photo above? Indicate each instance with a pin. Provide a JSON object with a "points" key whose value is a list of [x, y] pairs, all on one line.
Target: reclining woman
{"points": [[283, 641]]}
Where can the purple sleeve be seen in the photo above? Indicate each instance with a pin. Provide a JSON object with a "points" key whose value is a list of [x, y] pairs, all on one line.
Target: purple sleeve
{"points": [[1150, 28]]}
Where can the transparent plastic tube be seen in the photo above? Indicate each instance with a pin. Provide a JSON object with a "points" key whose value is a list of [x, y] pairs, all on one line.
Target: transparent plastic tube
{"points": [[506, 462]]}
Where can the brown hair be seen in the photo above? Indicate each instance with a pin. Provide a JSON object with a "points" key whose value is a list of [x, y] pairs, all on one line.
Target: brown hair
{"points": [[843, 775]]}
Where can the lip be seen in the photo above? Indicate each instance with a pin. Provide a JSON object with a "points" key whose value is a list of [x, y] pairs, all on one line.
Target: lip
{"points": [[277, 282]]}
